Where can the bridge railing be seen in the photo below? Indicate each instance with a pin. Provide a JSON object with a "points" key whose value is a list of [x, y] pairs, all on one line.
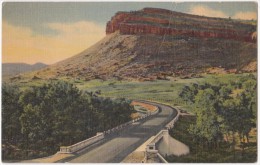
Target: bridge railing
{"points": [[161, 158], [173, 121], [117, 128], [80, 145], [151, 147]]}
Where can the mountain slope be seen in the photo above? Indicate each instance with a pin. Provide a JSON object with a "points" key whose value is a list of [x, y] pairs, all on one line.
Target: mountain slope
{"points": [[155, 52], [10, 69]]}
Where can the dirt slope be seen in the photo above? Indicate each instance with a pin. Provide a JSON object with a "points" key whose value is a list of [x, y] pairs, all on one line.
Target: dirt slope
{"points": [[152, 56]]}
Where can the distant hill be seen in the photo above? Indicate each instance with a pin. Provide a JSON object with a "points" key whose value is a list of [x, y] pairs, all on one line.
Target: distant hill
{"points": [[11, 69], [155, 43]]}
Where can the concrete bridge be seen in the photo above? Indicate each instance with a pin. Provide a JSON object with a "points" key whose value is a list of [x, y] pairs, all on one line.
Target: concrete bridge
{"points": [[114, 147]]}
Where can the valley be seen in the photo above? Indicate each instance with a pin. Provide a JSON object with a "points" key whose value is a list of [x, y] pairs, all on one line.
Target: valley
{"points": [[204, 68], [165, 91]]}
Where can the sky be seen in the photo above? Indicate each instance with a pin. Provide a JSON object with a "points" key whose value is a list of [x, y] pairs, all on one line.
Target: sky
{"points": [[49, 32]]}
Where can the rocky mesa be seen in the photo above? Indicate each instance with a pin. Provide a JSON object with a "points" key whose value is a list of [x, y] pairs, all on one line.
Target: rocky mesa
{"points": [[155, 43], [166, 22]]}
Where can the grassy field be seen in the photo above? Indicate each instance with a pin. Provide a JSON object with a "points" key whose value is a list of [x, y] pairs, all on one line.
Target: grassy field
{"points": [[161, 90], [164, 91]]}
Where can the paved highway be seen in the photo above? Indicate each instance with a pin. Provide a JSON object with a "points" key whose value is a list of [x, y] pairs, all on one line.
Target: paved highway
{"points": [[114, 148]]}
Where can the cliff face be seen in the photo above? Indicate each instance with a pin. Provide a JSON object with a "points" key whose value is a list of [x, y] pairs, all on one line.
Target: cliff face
{"points": [[154, 44], [166, 22], [150, 57]]}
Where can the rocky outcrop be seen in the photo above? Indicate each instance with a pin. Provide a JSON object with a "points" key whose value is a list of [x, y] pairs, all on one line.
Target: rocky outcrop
{"points": [[164, 44], [166, 22]]}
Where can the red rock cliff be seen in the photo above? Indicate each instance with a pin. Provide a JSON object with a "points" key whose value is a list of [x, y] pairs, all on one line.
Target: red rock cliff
{"points": [[166, 22]]}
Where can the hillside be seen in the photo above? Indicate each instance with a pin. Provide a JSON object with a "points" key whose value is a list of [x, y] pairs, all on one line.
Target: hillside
{"points": [[156, 43], [11, 69]]}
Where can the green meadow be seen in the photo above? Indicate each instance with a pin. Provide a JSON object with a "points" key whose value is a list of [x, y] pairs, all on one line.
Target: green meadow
{"points": [[164, 91]]}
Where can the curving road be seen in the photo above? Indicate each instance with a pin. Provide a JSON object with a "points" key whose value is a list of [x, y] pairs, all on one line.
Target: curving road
{"points": [[114, 148]]}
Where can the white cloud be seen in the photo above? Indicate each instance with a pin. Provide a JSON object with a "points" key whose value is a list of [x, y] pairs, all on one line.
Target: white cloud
{"points": [[207, 11], [245, 15], [20, 44], [210, 12]]}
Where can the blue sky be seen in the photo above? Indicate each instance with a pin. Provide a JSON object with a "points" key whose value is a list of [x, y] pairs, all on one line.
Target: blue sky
{"points": [[54, 21]]}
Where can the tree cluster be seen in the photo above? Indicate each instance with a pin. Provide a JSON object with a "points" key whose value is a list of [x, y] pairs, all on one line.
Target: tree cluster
{"points": [[41, 119], [222, 110]]}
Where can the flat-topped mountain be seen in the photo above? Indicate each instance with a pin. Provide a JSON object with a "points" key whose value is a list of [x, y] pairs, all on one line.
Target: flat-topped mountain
{"points": [[166, 22], [155, 43]]}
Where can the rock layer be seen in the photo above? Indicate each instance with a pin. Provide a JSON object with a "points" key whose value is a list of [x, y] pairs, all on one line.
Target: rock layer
{"points": [[166, 22], [159, 44]]}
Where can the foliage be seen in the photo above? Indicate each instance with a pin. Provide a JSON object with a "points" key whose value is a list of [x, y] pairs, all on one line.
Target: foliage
{"points": [[199, 154], [11, 111], [57, 114], [221, 110], [188, 93]]}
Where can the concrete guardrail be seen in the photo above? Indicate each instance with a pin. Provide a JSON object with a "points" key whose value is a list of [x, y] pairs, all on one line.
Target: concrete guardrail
{"points": [[151, 147], [172, 122], [80, 145], [151, 150], [117, 128], [161, 158]]}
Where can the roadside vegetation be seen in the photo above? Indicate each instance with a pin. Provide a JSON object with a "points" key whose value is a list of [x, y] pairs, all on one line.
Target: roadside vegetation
{"points": [[40, 119], [223, 154], [223, 129], [224, 126]]}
